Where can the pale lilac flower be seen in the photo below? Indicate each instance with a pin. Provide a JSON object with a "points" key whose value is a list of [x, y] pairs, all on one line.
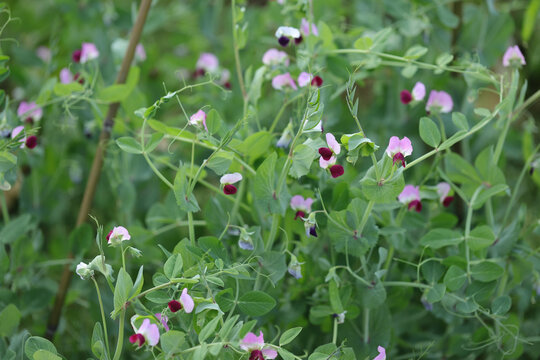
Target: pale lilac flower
{"points": [[410, 196], [244, 241], [198, 118], [208, 63], [117, 235], [140, 53], [186, 303], [305, 28], [301, 206], [397, 149], [419, 91], [89, 52], [16, 131], [228, 180], [295, 268], [443, 189], [310, 225], [163, 319], [255, 346], [279, 82], [304, 79], [84, 271], [382, 353], [274, 57], [66, 77], [286, 137], [427, 305], [225, 78], [29, 112], [44, 53], [439, 101], [285, 33], [340, 317], [147, 332], [513, 55]]}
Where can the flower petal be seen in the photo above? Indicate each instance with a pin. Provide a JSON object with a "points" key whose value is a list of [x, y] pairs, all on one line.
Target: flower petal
{"points": [[304, 79], [89, 52], [382, 353], [333, 144], [409, 193], [269, 353], [230, 178], [393, 146], [187, 301], [326, 163], [297, 202], [287, 31], [419, 91], [208, 62], [405, 146], [281, 81], [252, 341]]}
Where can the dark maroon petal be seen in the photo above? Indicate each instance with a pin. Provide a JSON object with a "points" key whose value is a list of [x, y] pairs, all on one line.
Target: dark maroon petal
{"points": [[229, 189], [256, 355], [137, 339], [317, 81], [29, 120], [399, 158], [174, 306], [227, 85], [326, 153], [337, 171], [298, 40], [76, 56], [199, 72], [313, 231], [416, 205], [109, 235], [299, 214], [447, 201], [31, 142], [283, 41], [405, 97]]}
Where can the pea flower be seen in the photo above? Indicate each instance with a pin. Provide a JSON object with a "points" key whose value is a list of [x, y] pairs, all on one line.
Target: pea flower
{"points": [[301, 206], [274, 57], [295, 268], [163, 319], [228, 180], [513, 56], [207, 63], [89, 52], [147, 332], [279, 82], [418, 93], [117, 235], [225, 78], [84, 271], [382, 353], [439, 101], [31, 141], [397, 149], [410, 196], [333, 147], [285, 33], [44, 53], [198, 118], [310, 224], [66, 77], [427, 305], [15, 132], [443, 189], [30, 112], [340, 317], [244, 241], [186, 303], [305, 28], [140, 53], [255, 346], [286, 137], [306, 78]]}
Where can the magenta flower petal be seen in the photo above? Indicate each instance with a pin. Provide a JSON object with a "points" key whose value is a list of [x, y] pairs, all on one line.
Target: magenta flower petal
{"points": [[333, 144], [443, 189], [269, 353], [397, 146], [16, 131], [279, 82], [419, 91], [336, 170], [89, 52], [304, 79], [187, 301], [44, 53], [405, 97], [297, 201], [163, 320], [29, 110], [174, 306], [208, 62], [198, 118], [439, 101], [140, 53], [513, 55], [273, 57], [137, 339], [317, 81], [252, 342], [382, 353], [150, 332], [66, 76], [31, 142]]}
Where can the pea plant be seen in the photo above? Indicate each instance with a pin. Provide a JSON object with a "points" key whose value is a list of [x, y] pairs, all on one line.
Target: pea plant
{"points": [[360, 189]]}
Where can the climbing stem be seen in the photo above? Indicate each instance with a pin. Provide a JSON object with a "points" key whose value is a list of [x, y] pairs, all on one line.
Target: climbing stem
{"points": [[120, 343], [102, 318]]}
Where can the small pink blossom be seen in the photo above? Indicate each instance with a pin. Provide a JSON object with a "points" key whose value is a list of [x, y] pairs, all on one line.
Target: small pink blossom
{"points": [[228, 180], [185, 302], [382, 353], [419, 91], [207, 62], [44, 53], [117, 235], [439, 101], [397, 149], [29, 112], [301, 206], [140, 53], [255, 346], [304, 79], [16, 131], [147, 332], [279, 82], [198, 118], [89, 52], [443, 189], [274, 57], [66, 77], [513, 55], [410, 196], [305, 28]]}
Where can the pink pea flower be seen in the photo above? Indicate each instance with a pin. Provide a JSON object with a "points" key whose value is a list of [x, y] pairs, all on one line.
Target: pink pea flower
{"points": [[397, 149], [305, 28], [228, 180], [410, 196], [117, 235], [255, 346], [89, 52], [29, 112], [333, 147], [225, 78], [163, 319], [44, 53], [439, 101], [140, 53], [207, 63], [513, 56], [274, 57], [66, 77], [147, 332], [443, 189], [304, 78], [279, 82], [186, 303], [285, 33], [317, 81], [382, 353], [336, 170], [31, 141], [301, 206], [198, 118], [418, 93], [16, 131]]}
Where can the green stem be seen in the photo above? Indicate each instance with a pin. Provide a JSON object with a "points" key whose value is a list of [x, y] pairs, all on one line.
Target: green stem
{"points": [[406, 284], [281, 110], [157, 172], [468, 231], [120, 342], [103, 318], [441, 126], [3, 203], [334, 335], [366, 325], [191, 228], [162, 286], [237, 57], [122, 250]]}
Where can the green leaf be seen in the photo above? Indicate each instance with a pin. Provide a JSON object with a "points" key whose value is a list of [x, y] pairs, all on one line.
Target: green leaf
{"points": [[455, 278], [154, 141], [66, 89], [286, 354], [335, 301], [139, 282], [303, 157], [460, 121], [373, 296], [9, 320], [481, 237], [254, 92], [289, 336], [97, 342], [467, 307], [173, 266], [486, 193], [364, 43], [486, 271], [7, 161], [256, 303], [221, 162], [45, 355], [256, 145], [482, 112], [409, 71], [438, 238], [264, 187], [447, 17], [129, 145], [180, 192], [171, 342], [429, 132], [213, 121], [415, 52], [529, 20], [436, 293], [15, 229], [387, 189], [119, 92], [501, 305], [36, 343], [209, 329], [444, 59], [123, 287]]}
